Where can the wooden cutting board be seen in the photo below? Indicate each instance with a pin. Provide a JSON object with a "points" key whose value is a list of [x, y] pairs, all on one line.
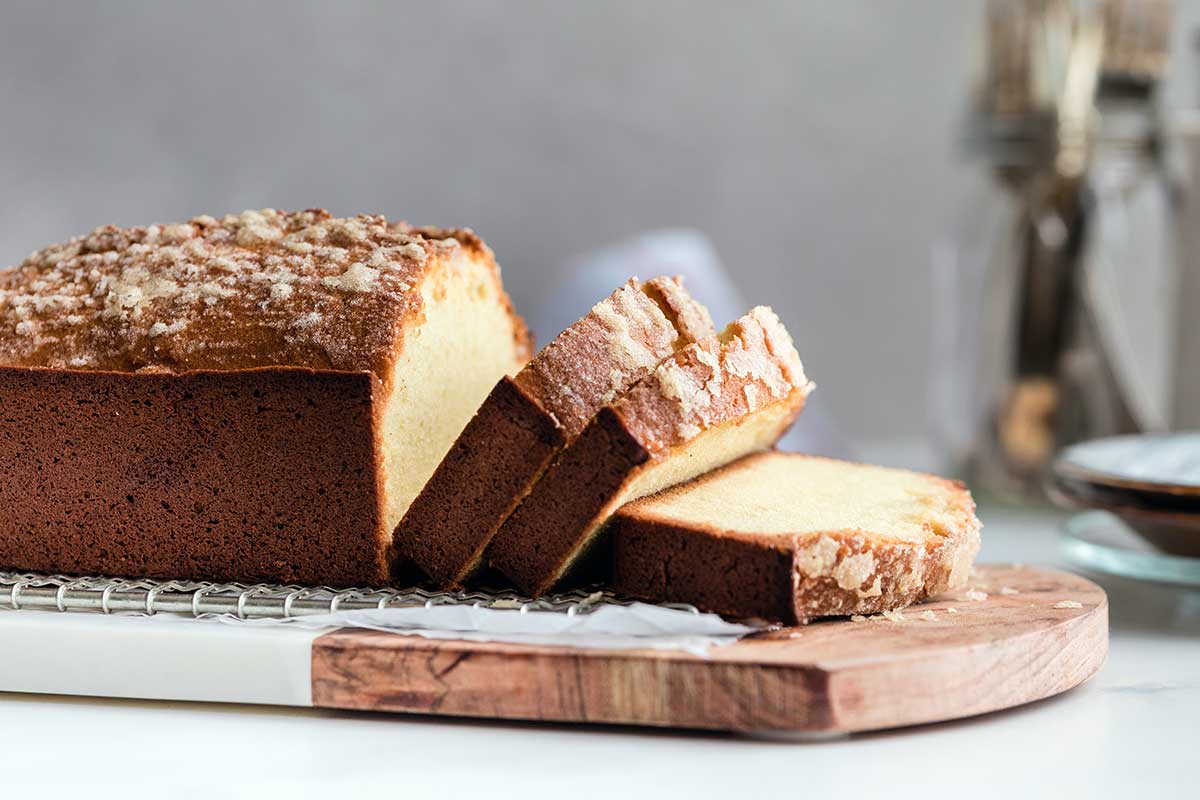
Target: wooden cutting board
{"points": [[1037, 633]]}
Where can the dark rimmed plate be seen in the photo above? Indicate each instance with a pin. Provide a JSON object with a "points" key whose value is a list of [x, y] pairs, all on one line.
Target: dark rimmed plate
{"points": [[1157, 472], [1164, 463], [1169, 529], [1152, 482]]}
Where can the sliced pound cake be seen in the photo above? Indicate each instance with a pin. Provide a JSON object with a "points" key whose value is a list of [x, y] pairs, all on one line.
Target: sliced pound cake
{"points": [[529, 418], [705, 406], [254, 398], [787, 537]]}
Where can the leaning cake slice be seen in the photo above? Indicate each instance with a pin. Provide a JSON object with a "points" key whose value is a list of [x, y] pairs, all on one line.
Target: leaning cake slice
{"points": [[529, 418], [708, 404], [788, 537]]}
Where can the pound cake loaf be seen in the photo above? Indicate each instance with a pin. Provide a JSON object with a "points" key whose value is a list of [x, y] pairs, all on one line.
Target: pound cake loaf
{"points": [[528, 418], [788, 537], [702, 407], [252, 398]]}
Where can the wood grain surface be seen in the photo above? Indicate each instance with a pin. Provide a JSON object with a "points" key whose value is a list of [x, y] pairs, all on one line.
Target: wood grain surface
{"points": [[1024, 642]]}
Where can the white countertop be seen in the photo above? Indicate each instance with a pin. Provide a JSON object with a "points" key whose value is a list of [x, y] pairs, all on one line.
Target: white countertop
{"points": [[1130, 730]]}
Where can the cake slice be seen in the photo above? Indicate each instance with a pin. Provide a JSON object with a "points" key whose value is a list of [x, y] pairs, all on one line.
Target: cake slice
{"points": [[788, 537], [529, 418], [708, 404], [252, 398]]}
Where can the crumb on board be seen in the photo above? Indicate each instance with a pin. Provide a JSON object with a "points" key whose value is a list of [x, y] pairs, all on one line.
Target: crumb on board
{"points": [[857, 618], [1008, 590], [892, 616], [976, 595], [929, 616], [1068, 604], [951, 610]]}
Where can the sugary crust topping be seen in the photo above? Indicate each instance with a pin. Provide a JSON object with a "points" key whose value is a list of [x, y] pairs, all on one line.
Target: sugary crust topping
{"points": [[633, 331], [690, 318], [613, 346], [260, 288], [750, 365], [843, 572]]}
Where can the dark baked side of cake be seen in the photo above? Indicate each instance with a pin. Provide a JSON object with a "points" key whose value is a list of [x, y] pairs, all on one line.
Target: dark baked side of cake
{"points": [[263, 475], [254, 398], [486, 473], [742, 578]]}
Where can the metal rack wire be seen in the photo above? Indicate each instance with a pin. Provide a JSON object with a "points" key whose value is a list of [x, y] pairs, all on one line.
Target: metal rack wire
{"points": [[263, 601]]}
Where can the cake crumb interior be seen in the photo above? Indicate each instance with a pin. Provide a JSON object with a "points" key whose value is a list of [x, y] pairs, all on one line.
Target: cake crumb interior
{"points": [[446, 368], [710, 449], [810, 495]]}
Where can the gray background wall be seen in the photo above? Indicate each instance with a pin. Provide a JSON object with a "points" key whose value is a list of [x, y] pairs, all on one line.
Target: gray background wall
{"points": [[814, 142]]}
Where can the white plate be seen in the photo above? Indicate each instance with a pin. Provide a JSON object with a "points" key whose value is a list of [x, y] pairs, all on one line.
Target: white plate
{"points": [[1155, 462]]}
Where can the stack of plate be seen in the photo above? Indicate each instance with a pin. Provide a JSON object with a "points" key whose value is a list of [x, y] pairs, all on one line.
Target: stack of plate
{"points": [[1150, 488]]}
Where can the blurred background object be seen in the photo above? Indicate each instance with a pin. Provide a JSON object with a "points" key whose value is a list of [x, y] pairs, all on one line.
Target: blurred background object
{"points": [[812, 143], [1061, 289], [1141, 495]]}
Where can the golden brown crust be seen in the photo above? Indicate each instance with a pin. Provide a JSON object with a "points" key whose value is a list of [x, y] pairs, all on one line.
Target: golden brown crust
{"points": [[689, 317], [801, 576], [611, 347], [262, 288], [523, 338], [751, 365]]}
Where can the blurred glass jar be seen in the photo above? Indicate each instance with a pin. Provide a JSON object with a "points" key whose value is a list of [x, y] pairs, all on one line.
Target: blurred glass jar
{"points": [[1055, 316]]}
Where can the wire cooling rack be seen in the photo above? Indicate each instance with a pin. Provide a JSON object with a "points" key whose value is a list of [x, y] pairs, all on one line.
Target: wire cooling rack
{"points": [[118, 595]]}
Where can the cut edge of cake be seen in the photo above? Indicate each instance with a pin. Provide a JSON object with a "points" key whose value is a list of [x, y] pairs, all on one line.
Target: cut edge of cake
{"points": [[467, 338]]}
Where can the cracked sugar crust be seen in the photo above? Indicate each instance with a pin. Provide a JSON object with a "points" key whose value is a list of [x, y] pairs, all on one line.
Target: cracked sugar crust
{"points": [[748, 366], [256, 289], [618, 342]]}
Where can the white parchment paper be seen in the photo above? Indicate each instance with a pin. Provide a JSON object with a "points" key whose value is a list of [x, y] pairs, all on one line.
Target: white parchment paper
{"points": [[635, 626]]}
